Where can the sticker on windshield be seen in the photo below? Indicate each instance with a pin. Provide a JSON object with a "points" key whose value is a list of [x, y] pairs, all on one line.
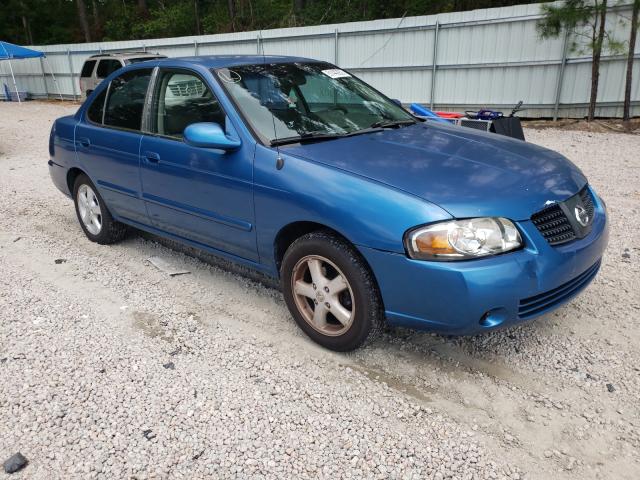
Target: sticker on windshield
{"points": [[335, 73], [229, 76]]}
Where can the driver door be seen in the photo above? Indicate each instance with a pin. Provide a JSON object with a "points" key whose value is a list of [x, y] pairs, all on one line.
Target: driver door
{"points": [[201, 194]]}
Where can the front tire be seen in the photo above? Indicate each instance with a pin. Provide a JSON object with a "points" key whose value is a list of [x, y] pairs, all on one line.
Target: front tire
{"points": [[94, 216], [331, 292]]}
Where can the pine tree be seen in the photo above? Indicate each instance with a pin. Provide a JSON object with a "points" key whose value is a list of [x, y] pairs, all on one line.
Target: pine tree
{"points": [[574, 17], [632, 46]]}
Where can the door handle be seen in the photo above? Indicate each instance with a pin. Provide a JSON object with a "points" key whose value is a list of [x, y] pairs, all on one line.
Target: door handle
{"points": [[152, 157], [84, 141]]}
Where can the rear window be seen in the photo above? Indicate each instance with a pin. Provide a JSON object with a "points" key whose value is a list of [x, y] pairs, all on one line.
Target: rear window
{"points": [[87, 68], [142, 59], [107, 67], [126, 99]]}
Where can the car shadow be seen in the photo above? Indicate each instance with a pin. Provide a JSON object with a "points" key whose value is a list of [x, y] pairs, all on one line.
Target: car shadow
{"points": [[490, 353]]}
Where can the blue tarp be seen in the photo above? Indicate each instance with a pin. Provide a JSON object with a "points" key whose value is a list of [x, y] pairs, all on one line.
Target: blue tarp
{"points": [[9, 51], [423, 111]]}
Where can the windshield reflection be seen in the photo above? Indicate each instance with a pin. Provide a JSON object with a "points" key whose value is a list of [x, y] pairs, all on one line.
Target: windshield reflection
{"points": [[294, 100]]}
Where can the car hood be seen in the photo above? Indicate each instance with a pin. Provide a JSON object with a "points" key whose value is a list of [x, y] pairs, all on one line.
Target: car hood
{"points": [[464, 171]]}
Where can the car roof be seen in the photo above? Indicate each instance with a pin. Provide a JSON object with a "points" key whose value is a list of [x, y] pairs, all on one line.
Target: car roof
{"points": [[221, 61], [125, 55]]}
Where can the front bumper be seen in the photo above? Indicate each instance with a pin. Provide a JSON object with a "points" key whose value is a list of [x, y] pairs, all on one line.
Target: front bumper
{"points": [[468, 297]]}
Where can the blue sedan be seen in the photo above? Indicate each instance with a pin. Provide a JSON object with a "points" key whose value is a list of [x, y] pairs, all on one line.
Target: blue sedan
{"points": [[366, 214]]}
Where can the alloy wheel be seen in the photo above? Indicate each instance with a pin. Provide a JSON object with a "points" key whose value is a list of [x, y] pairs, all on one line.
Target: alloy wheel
{"points": [[323, 295], [89, 209]]}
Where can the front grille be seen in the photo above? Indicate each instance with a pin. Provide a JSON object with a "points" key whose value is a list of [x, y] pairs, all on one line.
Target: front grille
{"points": [[187, 88], [483, 125], [587, 201], [537, 304], [556, 226]]}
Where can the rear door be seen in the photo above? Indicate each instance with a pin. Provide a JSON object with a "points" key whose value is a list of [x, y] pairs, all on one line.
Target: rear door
{"points": [[205, 195], [108, 143]]}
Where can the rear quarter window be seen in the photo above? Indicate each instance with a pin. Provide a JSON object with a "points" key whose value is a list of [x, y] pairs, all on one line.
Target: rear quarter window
{"points": [[87, 68], [96, 109]]}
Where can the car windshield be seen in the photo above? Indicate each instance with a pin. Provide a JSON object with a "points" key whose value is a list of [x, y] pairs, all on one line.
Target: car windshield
{"points": [[307, 100]]}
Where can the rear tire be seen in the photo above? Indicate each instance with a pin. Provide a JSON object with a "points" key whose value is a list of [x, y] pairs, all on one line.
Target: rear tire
{"points": [[331, 292], [94, 216]]}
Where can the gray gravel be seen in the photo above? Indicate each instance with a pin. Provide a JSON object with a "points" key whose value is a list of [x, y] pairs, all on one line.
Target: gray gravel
{"points": [[109, 368]]}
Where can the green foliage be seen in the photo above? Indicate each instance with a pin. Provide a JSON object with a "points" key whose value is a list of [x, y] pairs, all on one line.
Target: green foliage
{"points": [[171, 20], [51, 23], [580, 19], [569, 16], [56, 21]]}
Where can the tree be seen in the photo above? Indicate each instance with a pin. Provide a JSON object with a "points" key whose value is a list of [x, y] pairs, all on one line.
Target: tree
{"points": [[626, 115], [25, 23], [231, 6], [597, 41], [143, 9], [298, 7], [580, 18], [95, 14], [82, 17], [196, 14], [62, 21]]}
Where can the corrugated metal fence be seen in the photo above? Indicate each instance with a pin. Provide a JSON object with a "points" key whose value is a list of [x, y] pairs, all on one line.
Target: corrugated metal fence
{"points": [[464, 60]]}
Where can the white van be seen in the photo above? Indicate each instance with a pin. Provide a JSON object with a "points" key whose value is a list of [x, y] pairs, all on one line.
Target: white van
{"points": [[98, 67]]}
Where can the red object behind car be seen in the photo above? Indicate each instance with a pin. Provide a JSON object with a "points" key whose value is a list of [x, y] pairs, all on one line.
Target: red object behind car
{"points": [[449, 114]]}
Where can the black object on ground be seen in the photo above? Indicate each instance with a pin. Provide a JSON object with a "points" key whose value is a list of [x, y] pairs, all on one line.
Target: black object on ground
{"points": [[149, 435], [610, 387], [15, 463], [508, 126], [197, 455], [170, 365]]}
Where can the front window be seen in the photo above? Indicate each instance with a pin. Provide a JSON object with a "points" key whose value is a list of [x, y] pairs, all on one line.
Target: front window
{"points": [[298, 100], [182, 98]]}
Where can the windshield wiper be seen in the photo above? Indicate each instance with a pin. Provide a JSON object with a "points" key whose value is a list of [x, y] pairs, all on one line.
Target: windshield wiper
{"points": [[313, 137], [391, 123], [306, 137]]}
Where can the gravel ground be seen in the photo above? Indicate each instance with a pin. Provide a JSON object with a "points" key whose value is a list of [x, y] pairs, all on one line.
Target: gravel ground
{"points": [[109, 368]]}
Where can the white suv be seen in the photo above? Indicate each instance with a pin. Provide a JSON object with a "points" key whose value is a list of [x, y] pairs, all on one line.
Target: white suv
{"points": [[98, 67]]}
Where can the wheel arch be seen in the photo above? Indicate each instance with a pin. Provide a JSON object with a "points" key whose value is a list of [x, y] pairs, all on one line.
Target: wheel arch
{"points": [[72, 174], [294, 230]]}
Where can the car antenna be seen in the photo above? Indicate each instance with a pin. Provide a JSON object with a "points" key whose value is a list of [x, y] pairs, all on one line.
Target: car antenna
{"points": [[279, 159]]}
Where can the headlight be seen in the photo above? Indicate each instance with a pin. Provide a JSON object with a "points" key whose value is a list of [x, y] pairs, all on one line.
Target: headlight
{"points": [[462, 239]]}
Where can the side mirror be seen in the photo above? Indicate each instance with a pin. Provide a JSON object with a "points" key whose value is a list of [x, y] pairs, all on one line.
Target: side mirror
{"points": [[397, 102], [209, 135]]}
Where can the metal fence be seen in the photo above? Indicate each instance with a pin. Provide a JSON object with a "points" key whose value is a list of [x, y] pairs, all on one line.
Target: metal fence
{"points": [[465, 60]]}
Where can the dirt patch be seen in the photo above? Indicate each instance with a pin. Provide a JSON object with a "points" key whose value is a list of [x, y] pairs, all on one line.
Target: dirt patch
{"points": [[597, 126]]}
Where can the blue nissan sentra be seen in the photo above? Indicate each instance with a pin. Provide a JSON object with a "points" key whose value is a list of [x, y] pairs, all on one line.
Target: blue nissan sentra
{"points": [[366, 214]]}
